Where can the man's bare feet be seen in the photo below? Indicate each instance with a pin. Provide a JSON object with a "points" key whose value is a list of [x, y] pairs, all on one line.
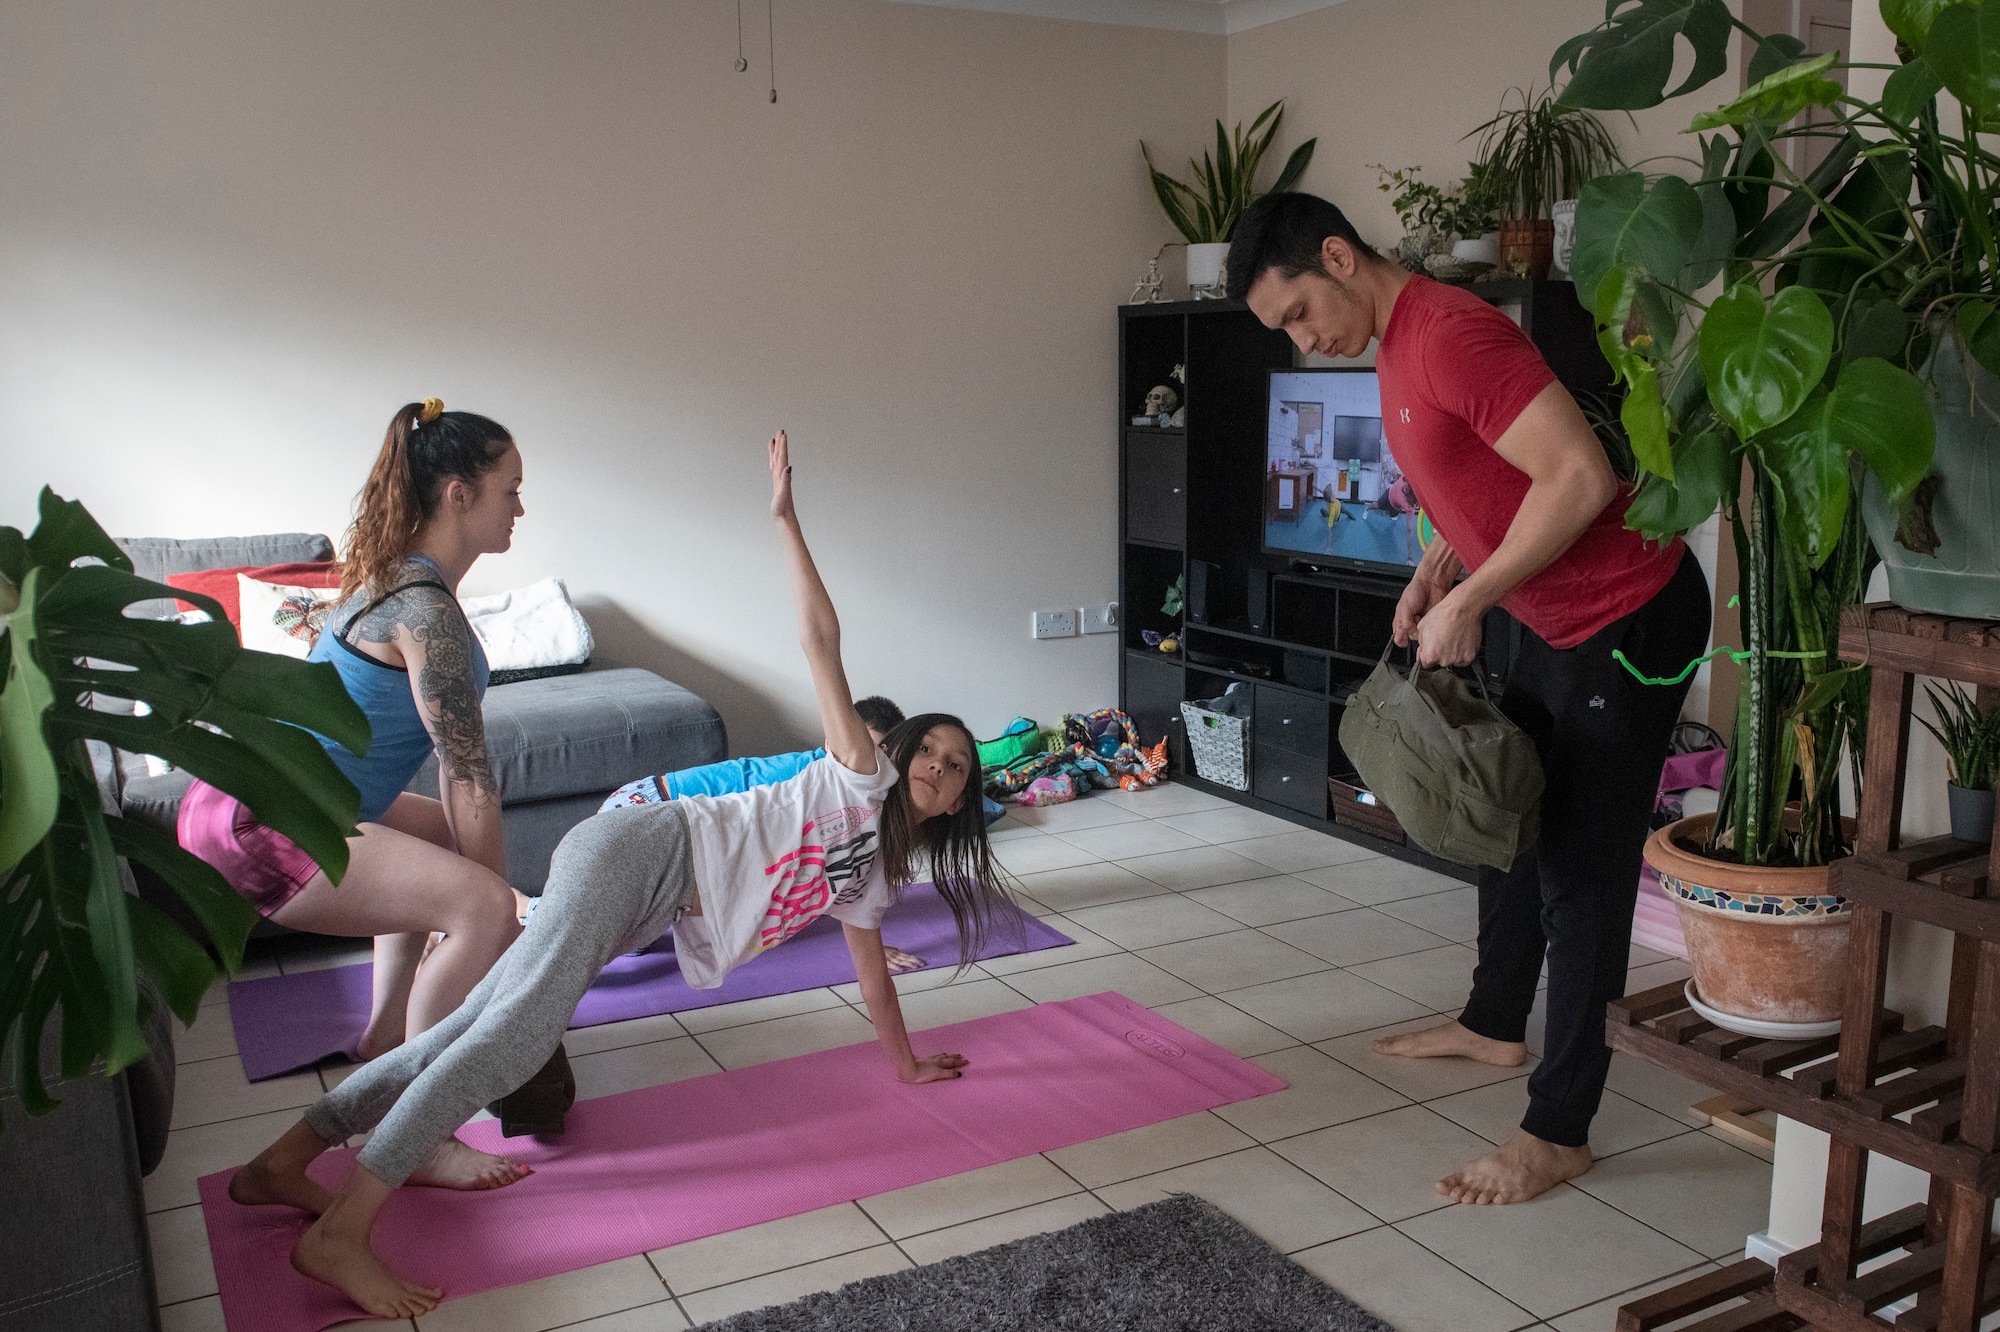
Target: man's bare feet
{"points": [[1520, 1168], [345, 1262], [456, 1166], [278, 1175], [1449, 1038]]}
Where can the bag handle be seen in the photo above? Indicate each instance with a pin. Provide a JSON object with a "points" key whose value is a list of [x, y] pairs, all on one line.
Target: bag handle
{"points": [[1478, 671]]}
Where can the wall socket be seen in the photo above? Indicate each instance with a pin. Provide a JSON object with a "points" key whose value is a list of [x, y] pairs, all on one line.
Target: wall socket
{"points": [[1054, 624], [1101, 619]]}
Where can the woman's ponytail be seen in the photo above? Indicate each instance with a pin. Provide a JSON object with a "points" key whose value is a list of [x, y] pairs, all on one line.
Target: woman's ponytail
{"points": [[424, 449]]}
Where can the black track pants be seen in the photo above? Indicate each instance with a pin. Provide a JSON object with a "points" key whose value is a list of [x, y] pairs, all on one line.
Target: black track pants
{"points": [[1602, 737]]}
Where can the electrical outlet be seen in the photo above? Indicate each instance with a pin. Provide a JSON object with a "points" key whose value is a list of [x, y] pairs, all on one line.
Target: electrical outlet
{"points": [[1101, 619], [1055, 624]]}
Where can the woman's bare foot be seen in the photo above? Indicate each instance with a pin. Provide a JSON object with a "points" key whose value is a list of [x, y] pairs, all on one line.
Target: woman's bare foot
{"points": [[456, 1166], [1449, 1038], [1521, 1168], [372, 1044], [278, 1175], [345, 1262]]}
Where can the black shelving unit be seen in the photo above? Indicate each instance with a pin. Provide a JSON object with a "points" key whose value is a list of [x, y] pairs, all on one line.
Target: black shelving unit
{"points": [[1191, 502]]}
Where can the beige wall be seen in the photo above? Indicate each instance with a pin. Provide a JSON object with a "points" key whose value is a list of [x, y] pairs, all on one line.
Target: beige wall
{"points": [[236, 235]]}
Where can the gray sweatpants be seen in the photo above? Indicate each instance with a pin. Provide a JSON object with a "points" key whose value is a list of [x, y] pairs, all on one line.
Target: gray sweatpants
{"points": [[618, 882]]}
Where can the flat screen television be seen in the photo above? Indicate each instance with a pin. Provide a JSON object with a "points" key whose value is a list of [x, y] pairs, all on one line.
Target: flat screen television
{"points": [[1333, 495]]}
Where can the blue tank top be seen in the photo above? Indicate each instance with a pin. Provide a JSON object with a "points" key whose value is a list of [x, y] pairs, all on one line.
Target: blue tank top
{"points": [[400, 742]]}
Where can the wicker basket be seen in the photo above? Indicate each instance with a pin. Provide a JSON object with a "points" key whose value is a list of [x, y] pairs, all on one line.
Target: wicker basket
{"points": [[1216, 740]]}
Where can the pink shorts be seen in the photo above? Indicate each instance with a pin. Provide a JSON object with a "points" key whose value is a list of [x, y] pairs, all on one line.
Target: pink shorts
{"points": [[265, 866]]}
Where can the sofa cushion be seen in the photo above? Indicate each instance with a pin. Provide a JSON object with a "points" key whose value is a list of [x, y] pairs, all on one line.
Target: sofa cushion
{"points": [[156, 557], [590, 733]]}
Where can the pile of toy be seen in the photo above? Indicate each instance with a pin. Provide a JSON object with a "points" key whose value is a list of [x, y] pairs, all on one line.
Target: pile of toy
{"points": [[1031, 766]]}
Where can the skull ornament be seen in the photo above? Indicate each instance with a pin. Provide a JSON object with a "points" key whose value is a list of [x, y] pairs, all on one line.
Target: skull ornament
{"points": [[1162, 400]]}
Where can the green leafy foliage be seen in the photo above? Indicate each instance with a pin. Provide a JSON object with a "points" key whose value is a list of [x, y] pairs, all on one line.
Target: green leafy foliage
{"points": [[1706, 474], [1963, 47], [1761, 361], [1979, 328], [1971, 738], [72, 941], [1624, 63], [1207, 210], [1621, 222], [1909, 90], [1778, 97], [1911, 19]]}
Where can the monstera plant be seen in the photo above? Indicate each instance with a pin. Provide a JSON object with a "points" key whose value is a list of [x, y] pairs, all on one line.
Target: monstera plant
{"points": [[73, 943], [1835, 284]]}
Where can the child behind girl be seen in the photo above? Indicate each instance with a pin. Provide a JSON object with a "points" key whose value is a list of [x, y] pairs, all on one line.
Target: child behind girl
{"points": [[732, 875]]}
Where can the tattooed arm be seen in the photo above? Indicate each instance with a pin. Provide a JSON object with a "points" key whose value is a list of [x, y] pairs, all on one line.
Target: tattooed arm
{"points": [[425, 626]]}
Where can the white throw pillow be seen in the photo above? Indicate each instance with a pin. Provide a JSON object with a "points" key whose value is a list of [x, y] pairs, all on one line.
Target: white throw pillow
{"points": [[529, 628], [283, 619]]}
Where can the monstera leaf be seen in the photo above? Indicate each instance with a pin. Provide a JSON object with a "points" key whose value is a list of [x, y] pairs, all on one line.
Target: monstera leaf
{"points": [[1761, 361], [1911, 19], [1706, 472], [1621, 222], [72, 941], [1624, 63], [1963, 46]]}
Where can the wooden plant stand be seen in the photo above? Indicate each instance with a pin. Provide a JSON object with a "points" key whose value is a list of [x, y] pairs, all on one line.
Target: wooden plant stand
{"points": [[1928, 1097]]}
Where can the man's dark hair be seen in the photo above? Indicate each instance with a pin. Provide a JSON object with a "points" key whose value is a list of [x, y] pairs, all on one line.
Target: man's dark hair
{"points": [[1285, 232], [879, 714]]}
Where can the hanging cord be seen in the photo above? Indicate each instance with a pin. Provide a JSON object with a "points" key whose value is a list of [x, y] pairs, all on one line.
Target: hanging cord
{"points": [[771, 45], [741, 63], [1738, 657]]}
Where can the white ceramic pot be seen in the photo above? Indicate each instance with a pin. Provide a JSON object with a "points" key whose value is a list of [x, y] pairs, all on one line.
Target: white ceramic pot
{"points": [[1204, 263], [1479, 250]]}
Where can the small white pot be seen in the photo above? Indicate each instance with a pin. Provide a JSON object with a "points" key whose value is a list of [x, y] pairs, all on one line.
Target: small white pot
{"points": [[1204, 263], [1480, 250]]}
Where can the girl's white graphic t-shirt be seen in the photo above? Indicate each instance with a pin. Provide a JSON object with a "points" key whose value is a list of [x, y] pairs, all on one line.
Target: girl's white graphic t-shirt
{"points": [[771, 860]]}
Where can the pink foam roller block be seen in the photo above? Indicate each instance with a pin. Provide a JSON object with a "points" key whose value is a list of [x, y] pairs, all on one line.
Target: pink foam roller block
{"points": [[663, 1165]]}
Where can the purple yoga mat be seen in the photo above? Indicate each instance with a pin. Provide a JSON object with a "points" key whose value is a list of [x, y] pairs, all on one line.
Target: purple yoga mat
{"points": [[663, 1165], [289, 1022]]}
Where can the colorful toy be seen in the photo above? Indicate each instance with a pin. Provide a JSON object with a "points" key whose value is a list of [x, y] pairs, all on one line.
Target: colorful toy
{"points": [[1084, 756], [1049, 791]]}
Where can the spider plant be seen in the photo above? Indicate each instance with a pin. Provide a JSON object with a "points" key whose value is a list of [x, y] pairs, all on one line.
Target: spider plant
{"points": [[1224, 182], [1971, 738], [72, 941], [1542, 151]]}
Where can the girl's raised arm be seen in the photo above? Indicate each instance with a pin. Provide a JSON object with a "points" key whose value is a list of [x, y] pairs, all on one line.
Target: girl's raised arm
{"points": [[847, 737]]}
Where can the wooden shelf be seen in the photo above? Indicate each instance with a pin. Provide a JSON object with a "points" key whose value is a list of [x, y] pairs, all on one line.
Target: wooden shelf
{"points": [[1750, 1280]]}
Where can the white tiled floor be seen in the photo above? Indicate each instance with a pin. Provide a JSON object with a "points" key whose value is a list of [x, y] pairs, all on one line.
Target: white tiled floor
{"points": [[1290, 948]]}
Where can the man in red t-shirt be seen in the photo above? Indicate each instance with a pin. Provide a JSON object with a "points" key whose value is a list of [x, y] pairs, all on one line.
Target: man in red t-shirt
{"points": [[1527, 508]]}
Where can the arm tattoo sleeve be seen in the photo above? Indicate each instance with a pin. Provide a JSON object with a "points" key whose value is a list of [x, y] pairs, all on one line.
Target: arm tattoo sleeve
{"points": [[445, 688]]}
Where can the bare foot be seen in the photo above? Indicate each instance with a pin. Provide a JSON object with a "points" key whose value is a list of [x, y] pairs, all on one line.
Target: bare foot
{"points": [[278, 1175], [1521, 1168], [372, 1044], [347, 1264], [456, 1166], [1451, 1039]]}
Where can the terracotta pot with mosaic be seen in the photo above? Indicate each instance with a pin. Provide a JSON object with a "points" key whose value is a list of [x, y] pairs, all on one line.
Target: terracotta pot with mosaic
{"points": [[1768, 945]]}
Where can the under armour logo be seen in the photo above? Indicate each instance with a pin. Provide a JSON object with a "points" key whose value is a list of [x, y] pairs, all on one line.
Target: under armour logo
{"points": [[1597, 700], [1406, 416]]}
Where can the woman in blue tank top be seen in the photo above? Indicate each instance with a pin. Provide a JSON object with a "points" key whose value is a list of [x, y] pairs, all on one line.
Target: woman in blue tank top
{"points": [[445, 489]]}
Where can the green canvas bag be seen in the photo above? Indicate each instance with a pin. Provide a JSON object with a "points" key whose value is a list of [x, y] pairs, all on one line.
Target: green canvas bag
{"points": [[1465, 782]]}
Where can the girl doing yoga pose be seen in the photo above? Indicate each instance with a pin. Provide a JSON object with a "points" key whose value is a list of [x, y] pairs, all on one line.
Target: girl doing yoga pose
{"points": [[732, 875], [445, 489]]}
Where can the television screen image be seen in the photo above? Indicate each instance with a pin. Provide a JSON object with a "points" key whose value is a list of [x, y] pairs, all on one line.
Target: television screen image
{"points": [[1332, 490]]}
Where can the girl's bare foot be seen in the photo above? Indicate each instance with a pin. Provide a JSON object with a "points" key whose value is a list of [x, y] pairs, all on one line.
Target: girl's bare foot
{"points": [[372, 1044], [456, 1166], [345, 1262], [1448, 1039], [1521, 1168], [278, 1175]]}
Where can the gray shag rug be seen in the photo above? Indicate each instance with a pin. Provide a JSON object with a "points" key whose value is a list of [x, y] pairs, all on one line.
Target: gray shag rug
{"points": [[1178, 1265]]}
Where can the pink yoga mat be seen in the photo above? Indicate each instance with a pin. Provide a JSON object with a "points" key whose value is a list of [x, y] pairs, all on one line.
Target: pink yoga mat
{"points": [[662, 1165]]}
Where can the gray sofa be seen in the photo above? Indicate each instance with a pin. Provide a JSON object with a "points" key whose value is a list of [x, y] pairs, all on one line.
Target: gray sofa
{"points": [[558, 745]]}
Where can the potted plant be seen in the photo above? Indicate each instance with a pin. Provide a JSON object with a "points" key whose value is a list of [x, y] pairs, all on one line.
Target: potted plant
{"points": [[1971, 741], [1441, 222], [1537, 153], [1798, 374], [74, 943], [1224, 184]]}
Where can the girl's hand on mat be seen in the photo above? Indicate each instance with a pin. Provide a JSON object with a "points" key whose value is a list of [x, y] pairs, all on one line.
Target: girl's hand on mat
{"points": [[781, 476], [898, 960], [938, 1068]]}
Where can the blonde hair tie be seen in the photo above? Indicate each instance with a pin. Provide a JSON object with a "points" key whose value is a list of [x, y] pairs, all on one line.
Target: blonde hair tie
{"points": [[430, 411]]}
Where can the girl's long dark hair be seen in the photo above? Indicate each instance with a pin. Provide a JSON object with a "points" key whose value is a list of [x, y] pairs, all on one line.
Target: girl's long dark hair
{"points": [[419, 458], [952, 846]]}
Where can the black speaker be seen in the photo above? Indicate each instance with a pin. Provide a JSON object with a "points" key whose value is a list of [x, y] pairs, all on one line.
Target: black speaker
{"points": [[1258, 602], [1204, 581]]}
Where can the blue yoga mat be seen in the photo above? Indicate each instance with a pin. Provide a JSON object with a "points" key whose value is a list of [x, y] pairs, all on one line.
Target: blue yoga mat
{"points": [[291, 1022]]}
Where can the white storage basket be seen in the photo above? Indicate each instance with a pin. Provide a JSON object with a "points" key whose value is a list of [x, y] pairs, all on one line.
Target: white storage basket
{"points": [[1216, 740]]}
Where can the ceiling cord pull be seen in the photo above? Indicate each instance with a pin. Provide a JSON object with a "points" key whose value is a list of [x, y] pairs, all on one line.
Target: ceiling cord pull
{"points": [[771, 47]]}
